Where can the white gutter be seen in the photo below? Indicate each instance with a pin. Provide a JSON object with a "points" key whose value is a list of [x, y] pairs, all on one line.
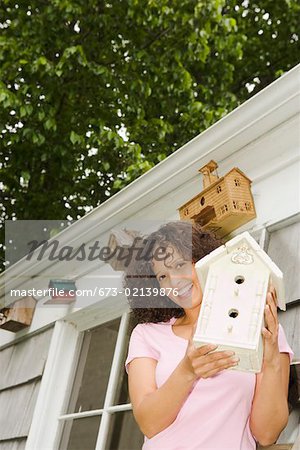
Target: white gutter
{"points": [[273, 105]]}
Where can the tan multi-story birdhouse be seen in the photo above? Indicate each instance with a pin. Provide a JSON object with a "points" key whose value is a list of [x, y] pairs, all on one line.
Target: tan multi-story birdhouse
{"points": [[235, 279], [224, 204]]}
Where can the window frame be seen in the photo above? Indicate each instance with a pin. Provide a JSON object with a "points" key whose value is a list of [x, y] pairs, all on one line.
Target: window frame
{"points": [[108, 407], [59, 374]]}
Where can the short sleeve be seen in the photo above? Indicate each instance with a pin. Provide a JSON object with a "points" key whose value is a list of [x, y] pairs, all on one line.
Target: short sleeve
{"points": [[139, 347], [283, 343]]}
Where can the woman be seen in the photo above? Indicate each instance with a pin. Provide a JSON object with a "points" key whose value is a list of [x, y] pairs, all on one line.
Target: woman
{"points": [[184, 397]]}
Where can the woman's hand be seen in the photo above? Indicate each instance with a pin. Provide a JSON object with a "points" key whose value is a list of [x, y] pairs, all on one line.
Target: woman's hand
{"points": [[203, 362], [269, 413], [270, 331]]}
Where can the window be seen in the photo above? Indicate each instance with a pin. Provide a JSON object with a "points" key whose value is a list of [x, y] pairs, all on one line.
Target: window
{"points": [[248, 206], [219, 189], [235, 204], [237, 182], [223, 209], [99, 412]]}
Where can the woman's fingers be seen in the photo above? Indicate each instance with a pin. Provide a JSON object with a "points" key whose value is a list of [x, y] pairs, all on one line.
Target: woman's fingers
{"points": [[272, 290], [271, 314], [270, 320], [212, 368], [272, 303], [213, 371], [204, 349], [266, 333], [271, 324], [214, 362]]}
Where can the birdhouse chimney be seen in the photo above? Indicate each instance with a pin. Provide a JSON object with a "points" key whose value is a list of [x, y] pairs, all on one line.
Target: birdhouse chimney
{"points": [[208, 176]]}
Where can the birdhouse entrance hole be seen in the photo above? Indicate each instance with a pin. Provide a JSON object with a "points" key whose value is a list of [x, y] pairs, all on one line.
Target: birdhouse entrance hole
{"points": [[233, 313], [239, 279]]}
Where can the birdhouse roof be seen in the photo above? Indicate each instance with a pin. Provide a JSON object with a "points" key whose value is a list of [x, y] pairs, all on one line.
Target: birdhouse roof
{"points": [[240, 172], [252, 248], [218, 181], [215, 183]]}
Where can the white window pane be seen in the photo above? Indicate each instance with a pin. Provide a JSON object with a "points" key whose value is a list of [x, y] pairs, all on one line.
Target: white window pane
{"points": [[124, 434], [80, 434], [94, 366]]}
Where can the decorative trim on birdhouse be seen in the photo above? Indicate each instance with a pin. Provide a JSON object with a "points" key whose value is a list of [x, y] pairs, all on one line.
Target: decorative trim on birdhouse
{"points": [[224, 204], [18, 315], [62, 292], [234, 279]]}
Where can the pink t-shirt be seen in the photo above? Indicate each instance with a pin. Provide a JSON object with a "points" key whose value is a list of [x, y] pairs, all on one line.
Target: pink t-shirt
{"points": [[215, 415]]}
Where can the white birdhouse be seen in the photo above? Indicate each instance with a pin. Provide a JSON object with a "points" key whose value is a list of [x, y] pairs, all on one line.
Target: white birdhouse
{"points": [[235, 278]]}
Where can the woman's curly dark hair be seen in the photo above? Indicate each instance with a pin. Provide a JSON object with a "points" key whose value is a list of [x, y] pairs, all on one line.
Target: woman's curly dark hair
{"points": [[192, 243]]}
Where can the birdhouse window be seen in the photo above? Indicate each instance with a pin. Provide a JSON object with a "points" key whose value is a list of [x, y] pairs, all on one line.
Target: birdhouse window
{"points": [[224, 208], [235, 204], [202, 201], [237, 182], [186, 212], [248, 206], [219, 189]]}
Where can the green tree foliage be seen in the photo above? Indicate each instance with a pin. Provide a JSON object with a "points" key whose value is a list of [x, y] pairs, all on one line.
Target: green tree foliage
{"points": [[93, 93]]}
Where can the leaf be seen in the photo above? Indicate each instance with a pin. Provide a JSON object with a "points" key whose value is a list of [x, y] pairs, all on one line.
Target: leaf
{"points": [[50, 124], [75, 138], [118, 184], [23, 111], [29, 109], [3, 96], [38, 138], [41, 115], [25, 175], [58, 72], [42, 61], [196, 107]]}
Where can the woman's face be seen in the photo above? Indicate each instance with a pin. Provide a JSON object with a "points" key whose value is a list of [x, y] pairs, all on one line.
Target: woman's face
{"points": [[178, 275]]}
